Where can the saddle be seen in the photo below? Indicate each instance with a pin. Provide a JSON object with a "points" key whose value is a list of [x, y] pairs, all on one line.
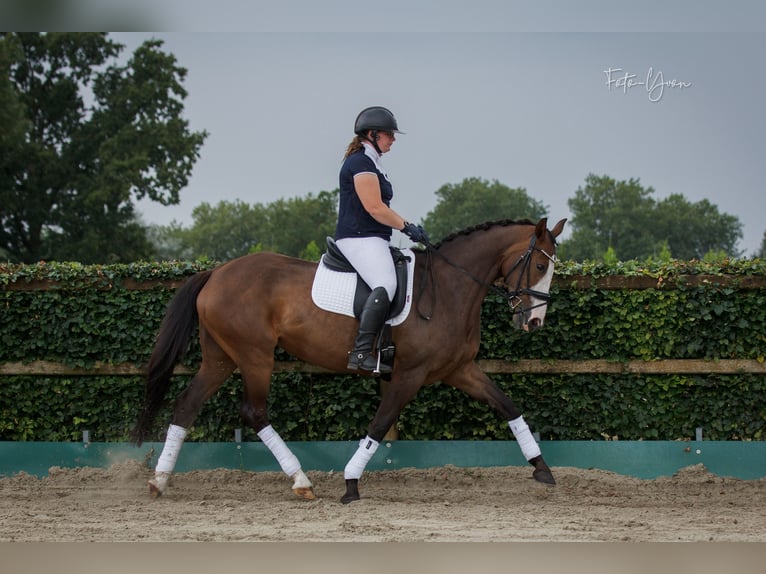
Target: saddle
{"points": [[335, 260]]}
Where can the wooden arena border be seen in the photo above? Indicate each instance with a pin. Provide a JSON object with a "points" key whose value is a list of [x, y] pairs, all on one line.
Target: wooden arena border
{"points": [[528, 366], [640, 459]]}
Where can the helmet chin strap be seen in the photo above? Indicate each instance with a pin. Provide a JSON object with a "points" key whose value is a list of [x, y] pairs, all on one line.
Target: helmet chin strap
{"points": [[374, 141]]}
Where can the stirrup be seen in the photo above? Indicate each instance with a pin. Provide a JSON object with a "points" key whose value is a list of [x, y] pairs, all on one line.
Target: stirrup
{"points": [[367, 361], [361, 361]]}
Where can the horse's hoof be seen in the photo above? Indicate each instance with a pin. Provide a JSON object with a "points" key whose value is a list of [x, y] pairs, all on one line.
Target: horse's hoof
{"points": [[352, 492], [158, 483], [302, 486], [154, 490], [348, 498], [307, 493], [542, 472], [544, 475]]}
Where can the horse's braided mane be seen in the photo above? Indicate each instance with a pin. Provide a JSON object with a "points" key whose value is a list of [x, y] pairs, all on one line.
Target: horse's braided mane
{"points": [[483, 227]]}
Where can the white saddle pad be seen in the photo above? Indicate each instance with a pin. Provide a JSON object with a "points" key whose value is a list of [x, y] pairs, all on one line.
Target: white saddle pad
{"points": [[334, 290]]}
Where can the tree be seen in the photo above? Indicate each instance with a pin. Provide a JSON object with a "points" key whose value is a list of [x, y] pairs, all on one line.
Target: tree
{"points": [[296, 227], [608, 213], [694, 229], [221, 232], [13, 127], [762, 252], [293, 224], [475, 201], [95, 136], [623, 216]]}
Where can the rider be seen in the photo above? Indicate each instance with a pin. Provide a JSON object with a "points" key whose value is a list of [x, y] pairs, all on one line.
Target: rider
{"points": [[365, 223]]}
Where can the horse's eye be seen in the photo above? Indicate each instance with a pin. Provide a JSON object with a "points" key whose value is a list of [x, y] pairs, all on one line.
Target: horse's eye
{"points": [[540, 267]]}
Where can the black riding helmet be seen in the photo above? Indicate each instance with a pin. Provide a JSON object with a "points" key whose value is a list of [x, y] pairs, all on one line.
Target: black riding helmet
{"points": [[376, 118]]}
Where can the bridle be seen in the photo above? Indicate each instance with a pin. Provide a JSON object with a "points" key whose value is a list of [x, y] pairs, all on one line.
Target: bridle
{"points": [[513, 297], [524, 262]]}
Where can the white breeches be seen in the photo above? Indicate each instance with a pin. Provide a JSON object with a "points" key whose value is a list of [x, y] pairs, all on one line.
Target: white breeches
{"points": [[371, 257]]}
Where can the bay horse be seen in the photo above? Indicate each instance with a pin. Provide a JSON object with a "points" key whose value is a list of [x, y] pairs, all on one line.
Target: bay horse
{"points": [[249, 306]]}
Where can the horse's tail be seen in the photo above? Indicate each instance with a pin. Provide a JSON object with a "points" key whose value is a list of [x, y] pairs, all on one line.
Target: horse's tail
{"points": [[171, 345]]}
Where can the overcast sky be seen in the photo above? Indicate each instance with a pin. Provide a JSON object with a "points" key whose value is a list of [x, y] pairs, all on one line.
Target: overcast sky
{"points": [[530, 109]]}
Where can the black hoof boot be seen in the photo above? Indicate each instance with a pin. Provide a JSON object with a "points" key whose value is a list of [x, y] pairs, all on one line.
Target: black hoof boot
{"points": [[542, 472], [352, 491]]}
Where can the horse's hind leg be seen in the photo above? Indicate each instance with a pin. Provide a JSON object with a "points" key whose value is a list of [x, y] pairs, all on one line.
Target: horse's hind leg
{"points": [[215, 369], [472, 380], [257, 379]]}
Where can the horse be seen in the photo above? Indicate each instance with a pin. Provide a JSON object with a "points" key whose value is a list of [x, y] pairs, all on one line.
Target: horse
{"points": [[245, 308]]}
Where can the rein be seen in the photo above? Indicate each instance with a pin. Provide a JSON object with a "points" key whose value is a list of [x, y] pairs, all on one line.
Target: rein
{"points": [[514, 301]]}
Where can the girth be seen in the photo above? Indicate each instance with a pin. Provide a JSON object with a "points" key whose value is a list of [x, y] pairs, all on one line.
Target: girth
{"points": [[335, 260]]}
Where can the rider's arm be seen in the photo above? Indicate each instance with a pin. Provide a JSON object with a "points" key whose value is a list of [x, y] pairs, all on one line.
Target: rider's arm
{"points": [[368, 189]]}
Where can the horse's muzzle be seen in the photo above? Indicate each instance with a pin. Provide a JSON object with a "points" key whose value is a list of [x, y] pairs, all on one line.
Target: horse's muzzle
{"points": [[525, 321], [533, 324]]}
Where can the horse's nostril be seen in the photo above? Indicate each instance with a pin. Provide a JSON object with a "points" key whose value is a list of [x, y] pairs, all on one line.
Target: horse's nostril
{"points": [[534, 324]]}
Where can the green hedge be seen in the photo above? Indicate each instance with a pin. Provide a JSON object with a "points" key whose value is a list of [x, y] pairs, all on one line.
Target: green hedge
{"points": [[90, 316]]}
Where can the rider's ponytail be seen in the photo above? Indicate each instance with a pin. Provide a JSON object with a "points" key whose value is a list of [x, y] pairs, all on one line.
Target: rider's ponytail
{"points": [[354, 146]]}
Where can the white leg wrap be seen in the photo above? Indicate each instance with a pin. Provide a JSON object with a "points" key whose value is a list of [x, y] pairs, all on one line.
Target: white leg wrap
{"points": [[362, 456], [173, 443], [286, 459], [529, 447]]}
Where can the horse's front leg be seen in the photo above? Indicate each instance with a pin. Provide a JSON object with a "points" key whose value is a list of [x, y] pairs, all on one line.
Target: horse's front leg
{"points": [[472, 380], [400, 392]]}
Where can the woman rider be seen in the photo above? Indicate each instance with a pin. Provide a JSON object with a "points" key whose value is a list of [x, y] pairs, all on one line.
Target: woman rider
{"points": [[365, 223]]}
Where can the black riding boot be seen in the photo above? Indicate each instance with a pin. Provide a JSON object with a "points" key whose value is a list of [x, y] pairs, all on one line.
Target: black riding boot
{"points": [[373, 316]]}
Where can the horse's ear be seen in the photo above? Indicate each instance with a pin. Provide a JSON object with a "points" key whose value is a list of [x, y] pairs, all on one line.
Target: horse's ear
{"points": [[541, 227], [558, 228]]}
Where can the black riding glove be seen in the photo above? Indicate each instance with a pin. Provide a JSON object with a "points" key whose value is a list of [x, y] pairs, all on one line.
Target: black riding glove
{"points": [[415, 232]]}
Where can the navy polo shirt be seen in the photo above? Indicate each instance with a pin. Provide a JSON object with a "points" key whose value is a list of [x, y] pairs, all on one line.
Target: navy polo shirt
{"points": [[353, 219]]}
